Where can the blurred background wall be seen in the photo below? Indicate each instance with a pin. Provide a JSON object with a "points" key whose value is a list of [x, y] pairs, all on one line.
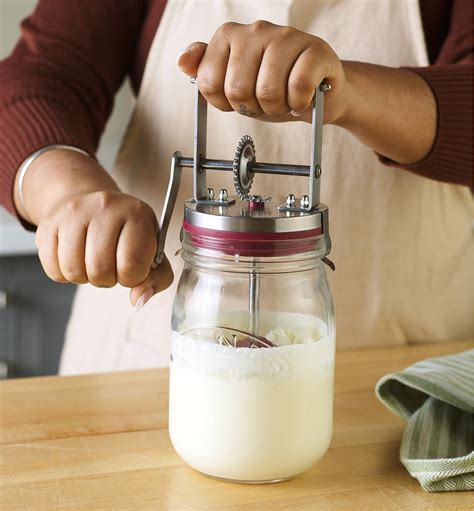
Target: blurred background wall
{"points": [[34, 310]]}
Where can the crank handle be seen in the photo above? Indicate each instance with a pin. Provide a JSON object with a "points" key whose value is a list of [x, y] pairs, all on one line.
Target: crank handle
{"points": [[168, 206]]}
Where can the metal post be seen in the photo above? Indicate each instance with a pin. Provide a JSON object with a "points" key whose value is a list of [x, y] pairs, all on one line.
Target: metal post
{"points": [[200, 135], [316, 149]]}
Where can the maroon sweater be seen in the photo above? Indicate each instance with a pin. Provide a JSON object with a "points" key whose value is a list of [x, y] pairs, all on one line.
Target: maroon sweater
{"points": [[59, 83]]}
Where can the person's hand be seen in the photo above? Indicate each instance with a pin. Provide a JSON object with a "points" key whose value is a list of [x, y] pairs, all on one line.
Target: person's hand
{"points": [[102, 238], [267, 71], [88, 230]]}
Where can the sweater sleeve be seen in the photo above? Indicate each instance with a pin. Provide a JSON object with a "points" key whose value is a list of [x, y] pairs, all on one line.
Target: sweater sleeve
{"points": [[59, 83], [450, 79]]}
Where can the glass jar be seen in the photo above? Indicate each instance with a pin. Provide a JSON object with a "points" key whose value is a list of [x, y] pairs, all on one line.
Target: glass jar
{"points": [[252, 355]]}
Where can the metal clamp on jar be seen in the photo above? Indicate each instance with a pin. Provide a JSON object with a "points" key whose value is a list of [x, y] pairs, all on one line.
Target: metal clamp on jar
{"points": [[253, 330]]}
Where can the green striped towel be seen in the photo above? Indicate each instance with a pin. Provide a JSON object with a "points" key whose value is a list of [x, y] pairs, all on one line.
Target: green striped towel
{"points": [[436, 397]]}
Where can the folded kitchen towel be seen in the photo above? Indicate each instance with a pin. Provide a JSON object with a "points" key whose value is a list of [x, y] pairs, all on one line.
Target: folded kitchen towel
{"points": [[436, 397]]}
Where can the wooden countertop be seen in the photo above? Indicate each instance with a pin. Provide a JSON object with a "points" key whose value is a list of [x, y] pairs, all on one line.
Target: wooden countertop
{"points": [[100, 442]]}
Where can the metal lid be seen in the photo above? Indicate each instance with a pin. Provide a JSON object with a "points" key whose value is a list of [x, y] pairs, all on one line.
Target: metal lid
{"points": [[241, 217]]}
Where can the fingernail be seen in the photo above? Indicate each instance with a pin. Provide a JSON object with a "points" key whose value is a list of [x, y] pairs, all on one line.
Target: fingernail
{"points": [[186, 50], [295, 113], [143, 299]]}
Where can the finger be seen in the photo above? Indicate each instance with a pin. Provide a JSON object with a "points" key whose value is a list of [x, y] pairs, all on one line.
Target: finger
{"points": [[135, 252], [272, 81], [241, 79], [100, 252], [189, 60], [304, 77], [47, 243], [212, 71], [71, 252], [159, 279]]}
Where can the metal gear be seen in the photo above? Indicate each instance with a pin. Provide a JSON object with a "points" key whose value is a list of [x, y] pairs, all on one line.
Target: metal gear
{"points": [[242, 167]]}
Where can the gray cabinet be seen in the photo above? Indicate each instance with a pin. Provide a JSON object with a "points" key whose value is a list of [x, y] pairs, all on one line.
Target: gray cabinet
{"points": [[33, 317]]}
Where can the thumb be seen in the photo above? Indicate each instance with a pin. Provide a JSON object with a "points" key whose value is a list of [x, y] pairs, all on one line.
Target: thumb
{"points": [[159, 279], [189, 60]]}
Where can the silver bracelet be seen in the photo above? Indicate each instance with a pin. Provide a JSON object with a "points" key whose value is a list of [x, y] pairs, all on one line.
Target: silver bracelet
{"points": [[27, 163]]}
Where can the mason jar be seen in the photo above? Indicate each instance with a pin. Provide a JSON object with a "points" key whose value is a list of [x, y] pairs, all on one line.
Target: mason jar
{"points": [[253, 344]]}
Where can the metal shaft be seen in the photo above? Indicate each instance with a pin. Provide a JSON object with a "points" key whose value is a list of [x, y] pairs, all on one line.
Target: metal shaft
{"points": [[254, 298], [261, 168]]}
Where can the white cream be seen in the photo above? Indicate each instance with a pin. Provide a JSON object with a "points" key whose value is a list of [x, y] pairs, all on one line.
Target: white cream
{"points": [[253, 414]]}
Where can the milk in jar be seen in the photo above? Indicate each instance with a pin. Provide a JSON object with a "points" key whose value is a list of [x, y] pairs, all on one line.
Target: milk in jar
{"points": [[253, 415]]}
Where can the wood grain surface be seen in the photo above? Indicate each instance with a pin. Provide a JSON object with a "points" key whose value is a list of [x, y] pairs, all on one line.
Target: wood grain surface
{"points": [[100, 442]]}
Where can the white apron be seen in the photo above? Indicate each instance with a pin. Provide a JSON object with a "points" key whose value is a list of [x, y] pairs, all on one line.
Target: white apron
{"points": [[401, 243]]}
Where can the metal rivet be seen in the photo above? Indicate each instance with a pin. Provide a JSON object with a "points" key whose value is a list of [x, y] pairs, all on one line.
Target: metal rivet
{"points": [[210, 194], [304, 201], [223, 195], [317, 171], [290, 200], [325, 87]]}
